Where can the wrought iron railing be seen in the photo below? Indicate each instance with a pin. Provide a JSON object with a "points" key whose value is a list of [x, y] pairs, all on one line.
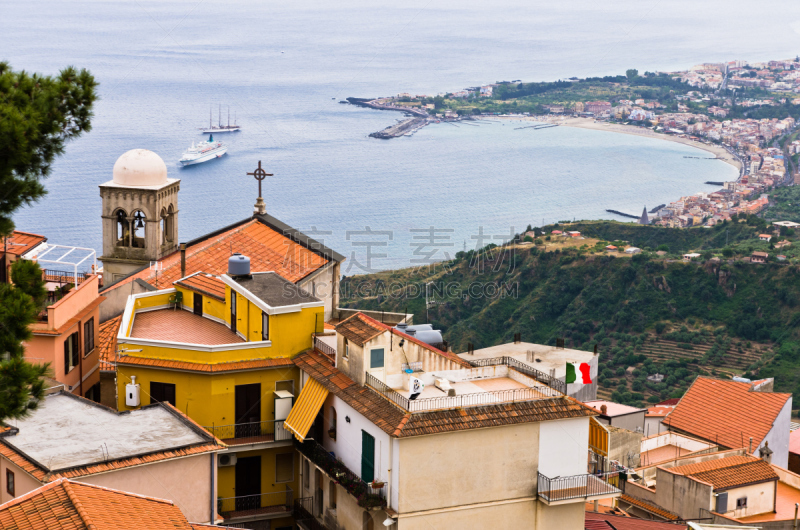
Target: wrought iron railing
{"points": [[547, 379], [267, 431], [364, 493], [577, 486], [55, 276], [490, 397], [325, 349], [302, 513], [255, 504]]}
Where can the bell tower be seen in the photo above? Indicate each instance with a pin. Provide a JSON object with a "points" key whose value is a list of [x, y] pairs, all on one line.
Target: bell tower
{"points": [[140, 214]]}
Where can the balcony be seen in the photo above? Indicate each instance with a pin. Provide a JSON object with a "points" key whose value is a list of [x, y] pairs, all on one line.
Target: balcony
{"points": [[325, 349], [365, 494], [251, 433], [578, 488], [303, 508], [261, 506]]}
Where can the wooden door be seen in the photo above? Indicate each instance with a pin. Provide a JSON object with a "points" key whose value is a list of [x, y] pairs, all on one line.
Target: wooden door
{"points": [[248, 410], [233, 310], [248, 483], [198, 304], [367, 457]]}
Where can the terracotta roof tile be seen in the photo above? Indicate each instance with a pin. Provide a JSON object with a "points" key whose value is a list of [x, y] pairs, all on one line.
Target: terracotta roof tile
{"points": [[18, 243], [729, 472], [726, 412], [652, 508], [619, 522], [268, 250], [68, 505], [203, 367], [107, 343], [398, 422], [205, 284]]}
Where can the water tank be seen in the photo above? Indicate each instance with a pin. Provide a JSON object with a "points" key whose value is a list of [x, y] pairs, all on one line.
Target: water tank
{"points": [[421, 327], [430, 336], [238, 265]]}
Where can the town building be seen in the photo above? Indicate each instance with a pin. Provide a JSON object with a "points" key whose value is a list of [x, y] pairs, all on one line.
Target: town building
{"points": [[734, 415], [399, 436], [618, 415], [154, 451], [66, 504], [65, 332], [653, 418]]}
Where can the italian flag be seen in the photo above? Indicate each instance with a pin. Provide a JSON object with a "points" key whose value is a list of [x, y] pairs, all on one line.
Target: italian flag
{"points": [[578, 373]]}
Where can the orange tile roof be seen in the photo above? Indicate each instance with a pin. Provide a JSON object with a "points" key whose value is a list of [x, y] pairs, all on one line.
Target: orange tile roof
{"points": [[729, 472], [234, 366], [267, 248], [107, 343], [358, 329], [652, 508], [619, 522], [401, 423], [206, 284], [181, 326], [18, 243], [726, 413], [68, 505]]}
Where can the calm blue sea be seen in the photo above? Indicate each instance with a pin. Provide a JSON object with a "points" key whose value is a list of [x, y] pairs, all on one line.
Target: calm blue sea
{"points": [[283, 66]]}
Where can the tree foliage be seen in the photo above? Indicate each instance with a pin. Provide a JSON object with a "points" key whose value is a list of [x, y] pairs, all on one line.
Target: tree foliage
{"points": [[38, 114], [21, 384]]}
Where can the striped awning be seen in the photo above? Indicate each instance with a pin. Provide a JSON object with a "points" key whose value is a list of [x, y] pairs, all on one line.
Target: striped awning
{"points": [[305, 409]]}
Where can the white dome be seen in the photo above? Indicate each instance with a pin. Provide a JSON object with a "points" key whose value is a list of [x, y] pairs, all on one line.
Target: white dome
{"points": [[140, 167]]}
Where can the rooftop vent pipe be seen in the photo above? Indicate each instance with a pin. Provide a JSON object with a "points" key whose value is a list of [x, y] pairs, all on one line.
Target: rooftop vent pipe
{"points": [[183, 260]]}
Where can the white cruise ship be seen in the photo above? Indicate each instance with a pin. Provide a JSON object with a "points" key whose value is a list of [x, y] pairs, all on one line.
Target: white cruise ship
{"points": [[203, 152]]}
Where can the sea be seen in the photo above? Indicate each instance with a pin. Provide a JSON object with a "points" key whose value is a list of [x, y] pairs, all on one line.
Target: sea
{"points": [[283, 67]]}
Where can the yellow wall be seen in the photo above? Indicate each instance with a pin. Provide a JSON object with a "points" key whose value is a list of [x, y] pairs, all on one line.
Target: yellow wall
{"points": [[211, 306], [208, 399], [227, 474]]}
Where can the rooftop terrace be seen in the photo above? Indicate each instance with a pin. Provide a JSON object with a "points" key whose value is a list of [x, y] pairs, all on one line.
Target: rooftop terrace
{"points": [[181, 326]]}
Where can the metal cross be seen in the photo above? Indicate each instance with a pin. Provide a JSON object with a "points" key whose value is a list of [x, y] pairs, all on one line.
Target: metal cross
{"points": [[259, 174]]}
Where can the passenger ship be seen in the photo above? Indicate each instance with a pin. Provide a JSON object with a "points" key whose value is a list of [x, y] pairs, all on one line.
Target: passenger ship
{"points": [[203, 152]]}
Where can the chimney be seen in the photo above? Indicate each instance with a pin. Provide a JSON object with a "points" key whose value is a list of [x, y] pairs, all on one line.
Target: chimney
{"points": [[750, 450], [595, 350], [183, 260]]}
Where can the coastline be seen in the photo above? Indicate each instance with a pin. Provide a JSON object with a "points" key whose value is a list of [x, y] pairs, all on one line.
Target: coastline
{"points": [[590, 123]]}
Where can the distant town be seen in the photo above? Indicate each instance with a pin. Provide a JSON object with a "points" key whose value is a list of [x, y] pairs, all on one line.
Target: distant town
{"points": [[743, 113]]}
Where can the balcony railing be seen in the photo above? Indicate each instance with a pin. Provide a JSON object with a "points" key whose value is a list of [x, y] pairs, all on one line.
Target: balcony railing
{"points": [[261, 504], [302, 513], [365, 494], [526, 369], [55, 276], [560, 489], [254, 432], [325, 349], [491, 397]]}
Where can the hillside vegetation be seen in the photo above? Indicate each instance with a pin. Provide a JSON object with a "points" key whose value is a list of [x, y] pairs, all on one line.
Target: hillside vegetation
{"points": [[720, 315]]}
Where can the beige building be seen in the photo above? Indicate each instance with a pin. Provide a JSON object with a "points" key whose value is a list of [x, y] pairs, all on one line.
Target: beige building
{"points": [[154, 451], [402, 434]]}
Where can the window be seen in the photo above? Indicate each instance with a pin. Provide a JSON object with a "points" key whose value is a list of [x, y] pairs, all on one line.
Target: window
{"points": [[346, 348], [741, 503], [233, 310], [376, 358], [162, 392], [88, 336], [285, 385], [264, 326], [10, 485], [284, 467], [71, 352], [332, 494], [306, 471], [332, 430], [366, 521]]}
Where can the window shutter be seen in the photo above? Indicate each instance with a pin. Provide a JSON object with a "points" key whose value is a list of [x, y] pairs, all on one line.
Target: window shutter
{"points": [[76, 347], [67, 354]]}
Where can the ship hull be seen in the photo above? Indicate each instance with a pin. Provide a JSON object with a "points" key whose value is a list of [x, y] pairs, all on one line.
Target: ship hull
{"points": [[205, 158], [215, 130]]}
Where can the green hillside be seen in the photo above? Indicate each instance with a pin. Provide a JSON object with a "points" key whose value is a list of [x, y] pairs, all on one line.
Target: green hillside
{"points": [[720, 315]]}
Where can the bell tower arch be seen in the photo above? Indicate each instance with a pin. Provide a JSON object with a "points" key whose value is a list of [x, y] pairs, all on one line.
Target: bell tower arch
{"points": [[140, 214]]}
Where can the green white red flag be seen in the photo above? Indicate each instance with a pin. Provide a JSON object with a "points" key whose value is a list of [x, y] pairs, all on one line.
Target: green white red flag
{"points": [[579, 373]]}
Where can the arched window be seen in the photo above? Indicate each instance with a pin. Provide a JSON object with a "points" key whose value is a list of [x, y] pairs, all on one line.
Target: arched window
{"points": [[332, 494], [169, 224], [123, 229], [162, 226], [138, 227]]}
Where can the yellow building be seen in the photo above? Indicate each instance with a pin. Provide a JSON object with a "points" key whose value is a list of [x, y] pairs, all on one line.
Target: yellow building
{"points": [[219, 348]]}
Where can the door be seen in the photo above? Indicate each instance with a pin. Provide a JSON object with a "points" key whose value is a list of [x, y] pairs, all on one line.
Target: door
{"points": [[233, 310], [248, 483], [376, 363], [367, 457], [162, 392], [248, 410], [198, 304]]}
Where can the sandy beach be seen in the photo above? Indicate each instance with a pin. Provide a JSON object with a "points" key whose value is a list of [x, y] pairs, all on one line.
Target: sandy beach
{"points": [[589, 123]]}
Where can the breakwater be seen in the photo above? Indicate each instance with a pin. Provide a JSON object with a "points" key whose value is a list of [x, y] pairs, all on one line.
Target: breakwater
{"points": [[623, 214], [657, 208], [400, 129]]}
